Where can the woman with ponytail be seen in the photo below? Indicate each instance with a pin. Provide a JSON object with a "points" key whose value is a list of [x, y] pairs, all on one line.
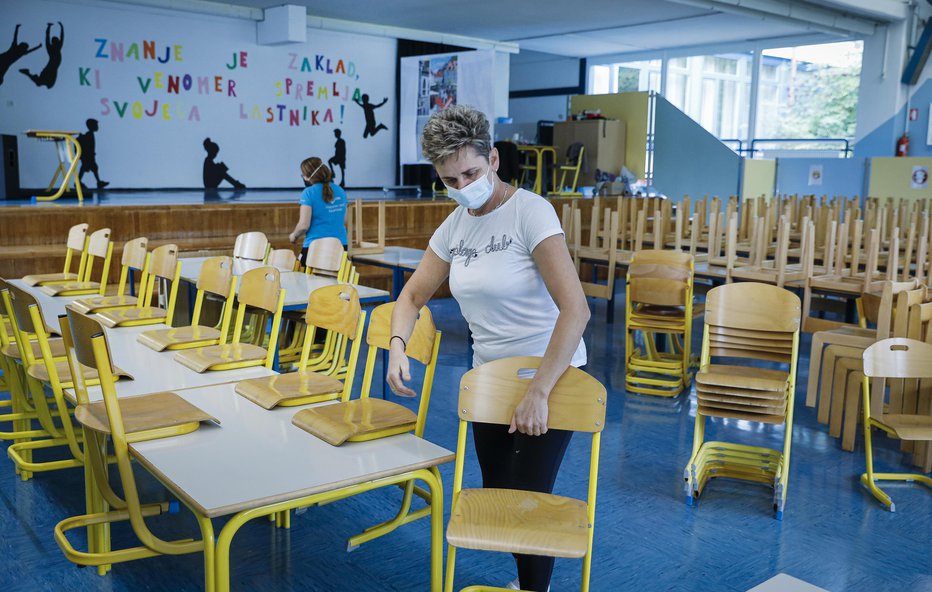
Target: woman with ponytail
{"points": [[323, 206]]}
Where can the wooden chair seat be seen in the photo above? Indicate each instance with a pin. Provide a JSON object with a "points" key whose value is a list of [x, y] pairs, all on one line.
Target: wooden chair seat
{"points": [[179, 337], [303, 386], [516, 521], [356, 420], [49, 278], [41, 373], [740, 392], [743, 377], [204, 358], [56, 345], [773, 336], [70, 288], [773, 406], [733, 414], [115, 318], [909, 427], [90, 305], [145, 412]]}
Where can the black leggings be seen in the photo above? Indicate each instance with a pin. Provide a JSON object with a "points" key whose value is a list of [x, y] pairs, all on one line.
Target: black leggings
{"points": [[530, 463]]}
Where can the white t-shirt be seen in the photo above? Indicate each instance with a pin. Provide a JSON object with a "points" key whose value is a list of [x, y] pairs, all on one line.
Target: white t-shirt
{"points": [[495, 280]]}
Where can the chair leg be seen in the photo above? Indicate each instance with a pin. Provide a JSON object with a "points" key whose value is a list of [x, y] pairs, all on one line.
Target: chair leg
{"points": [[815, 366]]}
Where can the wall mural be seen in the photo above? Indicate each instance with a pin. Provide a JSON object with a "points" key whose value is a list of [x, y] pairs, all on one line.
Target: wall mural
{"points": [[156, 88]]}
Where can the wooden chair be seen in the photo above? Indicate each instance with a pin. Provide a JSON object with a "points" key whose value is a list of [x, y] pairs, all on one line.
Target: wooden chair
{"points": [[746, 321], [779, 271], [283, 259], [336, 311], [895, 360], [100, 248], [366, 418], [164, 266], [659, 301], [253, 246], [570, 169], [135, 258], [216, 278], [125, 421], [325, 256], [357, 243], [604, 253], [75, 246], [260, 290], [524, 522]]}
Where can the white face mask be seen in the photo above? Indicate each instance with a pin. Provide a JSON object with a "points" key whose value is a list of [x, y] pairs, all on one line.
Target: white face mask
{"points": [[474, 195]]}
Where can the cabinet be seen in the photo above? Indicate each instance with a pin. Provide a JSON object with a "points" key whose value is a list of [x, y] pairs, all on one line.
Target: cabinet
{"points": [[604, 140]]}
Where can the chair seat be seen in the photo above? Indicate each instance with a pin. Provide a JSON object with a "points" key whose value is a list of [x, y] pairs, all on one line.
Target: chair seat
{"points": [[89, 305], [514, 521], [359, 419], [734, 414], [145, 412], [179, 338], [70, 288], [56, 345], [48, 278], [116, 317], [910, 427], [41, 373], [204, 358], [267, 392], [743, 377]]}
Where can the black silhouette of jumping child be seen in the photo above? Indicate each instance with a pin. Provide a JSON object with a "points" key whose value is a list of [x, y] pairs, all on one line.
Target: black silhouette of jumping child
{"points": [[89, 153], [17, 50], [215, 172], [369, 108], [339, 156], [49, 73]]}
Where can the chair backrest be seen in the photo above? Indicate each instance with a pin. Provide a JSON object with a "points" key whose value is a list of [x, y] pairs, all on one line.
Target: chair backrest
{"points": [[163, 262], [134, 253], [82, 328], [490, 393], [662, 278], [324, 256], [334, 308], [754, 321], [251, 245], [282, 259], [98, 242], [76, 243], [898, 357], [216, 276], [260, 288]]}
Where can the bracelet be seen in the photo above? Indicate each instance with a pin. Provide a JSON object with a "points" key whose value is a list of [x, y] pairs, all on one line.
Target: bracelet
{"points": [[403, 344]]}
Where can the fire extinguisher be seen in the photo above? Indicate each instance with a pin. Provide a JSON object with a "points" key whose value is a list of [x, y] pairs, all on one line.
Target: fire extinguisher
{"points": [[902, 145]]}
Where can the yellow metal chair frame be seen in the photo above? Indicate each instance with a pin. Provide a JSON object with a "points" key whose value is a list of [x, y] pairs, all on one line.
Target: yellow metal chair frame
{"points": [[76, 244], [745, 316], [99, 246], [570, 169], [216, 277], [88, 346], [904, 359], [535, 523], [135, 258], [163, 265], [260, 289], [659, 300]]}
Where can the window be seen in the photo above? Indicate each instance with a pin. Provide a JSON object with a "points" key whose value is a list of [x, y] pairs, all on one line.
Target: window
{"points": [[714, 90], [626, 77]]}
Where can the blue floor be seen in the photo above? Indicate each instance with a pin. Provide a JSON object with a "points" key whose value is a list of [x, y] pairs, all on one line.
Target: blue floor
{"points": [[834, 534]]}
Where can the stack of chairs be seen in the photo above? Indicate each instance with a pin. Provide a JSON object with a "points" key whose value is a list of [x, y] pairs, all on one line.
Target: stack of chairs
{"points": [[746, 322], [659, 301]]}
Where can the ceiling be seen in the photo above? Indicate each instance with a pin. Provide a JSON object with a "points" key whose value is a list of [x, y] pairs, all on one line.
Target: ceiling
{"points": [[590, 28]]}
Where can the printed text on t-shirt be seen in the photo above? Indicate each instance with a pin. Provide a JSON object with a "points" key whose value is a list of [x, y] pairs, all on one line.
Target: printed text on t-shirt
{"points": [[470, 253]]}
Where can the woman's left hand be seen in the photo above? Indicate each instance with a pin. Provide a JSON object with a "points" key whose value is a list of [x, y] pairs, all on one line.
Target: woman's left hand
{"points": [[530, 415]]}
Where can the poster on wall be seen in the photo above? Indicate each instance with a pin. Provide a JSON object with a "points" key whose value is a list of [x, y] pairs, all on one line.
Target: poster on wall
{"points": [[815, 175], [165, 98], [920, 177], [432, 83]]}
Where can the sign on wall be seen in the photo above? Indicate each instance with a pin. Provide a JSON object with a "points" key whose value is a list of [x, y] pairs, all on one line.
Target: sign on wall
{"points": [[175, 99]]}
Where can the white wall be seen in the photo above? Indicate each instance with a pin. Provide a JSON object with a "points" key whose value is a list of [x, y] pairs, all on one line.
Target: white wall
{"points": [[165, 149], [532, 70]]}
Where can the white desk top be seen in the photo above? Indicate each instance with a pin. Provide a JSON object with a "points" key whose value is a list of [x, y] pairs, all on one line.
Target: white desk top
{"points": [[257, 457], [404, 257], [152, 371], [298, 285]]}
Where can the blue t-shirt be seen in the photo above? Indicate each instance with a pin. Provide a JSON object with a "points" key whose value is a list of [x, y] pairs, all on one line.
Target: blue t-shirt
{"points": [[326, 218]]}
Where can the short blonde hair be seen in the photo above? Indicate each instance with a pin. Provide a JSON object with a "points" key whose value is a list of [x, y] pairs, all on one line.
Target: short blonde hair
{"points": [[449, 131]]}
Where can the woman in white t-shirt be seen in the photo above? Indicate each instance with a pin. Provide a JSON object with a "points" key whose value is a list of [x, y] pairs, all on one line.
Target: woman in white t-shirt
{"points": [[511, 273]]}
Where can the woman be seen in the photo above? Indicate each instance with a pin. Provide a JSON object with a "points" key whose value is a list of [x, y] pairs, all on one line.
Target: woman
{"points": [[323, 206], [511, 273]]}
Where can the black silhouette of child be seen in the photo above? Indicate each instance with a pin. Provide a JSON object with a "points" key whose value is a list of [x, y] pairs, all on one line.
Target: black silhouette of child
{"points": [[215, 172], [339, 156], [369, 108], [89, 153], [17, 50], [49, 73]]}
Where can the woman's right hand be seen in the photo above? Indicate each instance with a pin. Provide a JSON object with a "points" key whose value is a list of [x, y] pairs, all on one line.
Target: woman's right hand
{"points": [[399, 370]]}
